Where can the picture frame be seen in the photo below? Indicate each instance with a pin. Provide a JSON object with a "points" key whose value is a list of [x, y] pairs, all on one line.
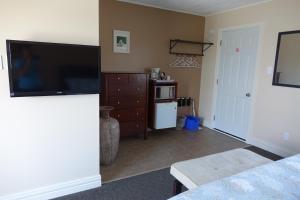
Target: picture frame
{"points": [[121, 41]]}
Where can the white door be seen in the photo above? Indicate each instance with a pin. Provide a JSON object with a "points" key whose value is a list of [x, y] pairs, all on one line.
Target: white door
{"points": [[235, 80], [165, 115]]}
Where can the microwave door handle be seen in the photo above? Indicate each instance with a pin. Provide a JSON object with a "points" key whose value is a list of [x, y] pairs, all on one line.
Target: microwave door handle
{"points": [[172, 92]]}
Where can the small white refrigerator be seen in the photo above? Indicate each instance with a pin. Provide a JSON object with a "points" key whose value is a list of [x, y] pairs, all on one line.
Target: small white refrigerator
{"points": [[165, 115]]}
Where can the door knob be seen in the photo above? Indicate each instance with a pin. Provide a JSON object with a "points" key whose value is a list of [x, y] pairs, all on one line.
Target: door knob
{"points": [[248, 95]]}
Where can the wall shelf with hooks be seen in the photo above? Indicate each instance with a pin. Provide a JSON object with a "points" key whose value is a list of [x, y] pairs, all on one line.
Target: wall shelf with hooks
{"points": [[203, 47]]}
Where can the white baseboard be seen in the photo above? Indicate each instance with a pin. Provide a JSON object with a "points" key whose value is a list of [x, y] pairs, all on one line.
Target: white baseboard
{"points": [[57, 190], [269, 147]]}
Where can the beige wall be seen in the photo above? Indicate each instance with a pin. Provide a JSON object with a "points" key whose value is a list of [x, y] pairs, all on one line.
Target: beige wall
{"points": [[48, 142], [276, 109], [151, 29]]}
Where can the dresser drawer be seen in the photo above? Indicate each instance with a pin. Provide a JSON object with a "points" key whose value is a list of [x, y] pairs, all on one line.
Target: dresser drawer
{"points": [[118, 79], [124, 91], [129, 102], [126, 115], [132, 128], [138, 79]]}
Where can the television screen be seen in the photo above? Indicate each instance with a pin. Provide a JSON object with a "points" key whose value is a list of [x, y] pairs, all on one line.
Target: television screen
{"points": [[41, 69]]}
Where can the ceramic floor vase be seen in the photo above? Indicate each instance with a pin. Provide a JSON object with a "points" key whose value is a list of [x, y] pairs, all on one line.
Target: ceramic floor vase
{"points": [[109, 136]]}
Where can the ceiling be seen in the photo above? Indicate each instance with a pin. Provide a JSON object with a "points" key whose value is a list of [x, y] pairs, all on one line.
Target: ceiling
{"points": [[198, 7]]}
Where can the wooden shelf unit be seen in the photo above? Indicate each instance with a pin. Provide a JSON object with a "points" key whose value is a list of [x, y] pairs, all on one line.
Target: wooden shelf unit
{"points": [[152, 101]]}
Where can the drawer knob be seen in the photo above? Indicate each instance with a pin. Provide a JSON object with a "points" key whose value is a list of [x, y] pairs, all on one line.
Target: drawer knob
{"points": [[137, 114], [119, 78], [138, 89], [119, 115], [138, 101], [119, 89], [118, 102]]}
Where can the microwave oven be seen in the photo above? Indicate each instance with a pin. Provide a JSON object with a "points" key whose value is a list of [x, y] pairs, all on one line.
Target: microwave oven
{"points": [[165, 92]]}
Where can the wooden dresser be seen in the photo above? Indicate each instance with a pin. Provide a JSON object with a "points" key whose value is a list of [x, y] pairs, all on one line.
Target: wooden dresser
{"points": [[128, 94]]}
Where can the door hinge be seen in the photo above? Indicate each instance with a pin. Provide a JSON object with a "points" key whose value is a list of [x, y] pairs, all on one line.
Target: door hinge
{"points": [[220, 43], [214, 117], [217, 81]]}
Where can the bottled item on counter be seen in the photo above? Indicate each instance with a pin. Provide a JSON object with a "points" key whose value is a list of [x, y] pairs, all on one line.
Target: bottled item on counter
{"points": [[184, 101]]}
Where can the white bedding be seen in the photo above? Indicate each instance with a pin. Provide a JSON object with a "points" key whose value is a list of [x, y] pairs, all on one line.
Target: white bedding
{"points": [[276, 180]]}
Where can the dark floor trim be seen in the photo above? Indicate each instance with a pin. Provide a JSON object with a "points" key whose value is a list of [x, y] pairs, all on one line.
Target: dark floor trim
{"points": [[264, 153]]}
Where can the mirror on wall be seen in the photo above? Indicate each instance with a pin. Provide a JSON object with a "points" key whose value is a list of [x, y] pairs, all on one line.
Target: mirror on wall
{"points": [[287, 63]]}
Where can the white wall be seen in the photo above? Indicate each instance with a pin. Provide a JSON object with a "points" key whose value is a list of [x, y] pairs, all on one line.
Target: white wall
{"points": [[276, 109], [45, 141]]}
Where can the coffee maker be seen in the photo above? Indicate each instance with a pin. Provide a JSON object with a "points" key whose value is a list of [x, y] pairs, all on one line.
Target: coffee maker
{"points": [[155, 73]]}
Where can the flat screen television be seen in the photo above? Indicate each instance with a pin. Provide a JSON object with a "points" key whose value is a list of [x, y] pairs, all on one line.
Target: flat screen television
{"points": [[43, 69]]}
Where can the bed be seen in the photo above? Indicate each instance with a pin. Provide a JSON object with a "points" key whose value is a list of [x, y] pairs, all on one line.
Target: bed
{"points": [[275, 180]]}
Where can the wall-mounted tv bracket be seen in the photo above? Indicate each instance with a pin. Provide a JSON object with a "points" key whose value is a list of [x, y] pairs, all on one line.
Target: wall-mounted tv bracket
{"points": [[203, 47]]}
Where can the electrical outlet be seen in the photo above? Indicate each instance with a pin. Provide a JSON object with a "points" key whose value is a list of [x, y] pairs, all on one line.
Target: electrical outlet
{"points": [[286, 136]]}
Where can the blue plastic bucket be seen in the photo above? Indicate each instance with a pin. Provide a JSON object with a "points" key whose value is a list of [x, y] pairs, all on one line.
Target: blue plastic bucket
{"points": [[192, 123]]}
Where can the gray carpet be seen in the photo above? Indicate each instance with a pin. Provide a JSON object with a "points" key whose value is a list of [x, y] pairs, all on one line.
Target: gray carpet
{"points": [[157, 185]]}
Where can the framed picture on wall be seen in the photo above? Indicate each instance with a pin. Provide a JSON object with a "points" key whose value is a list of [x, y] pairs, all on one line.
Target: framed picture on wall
{"points": [[121, 41]]}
